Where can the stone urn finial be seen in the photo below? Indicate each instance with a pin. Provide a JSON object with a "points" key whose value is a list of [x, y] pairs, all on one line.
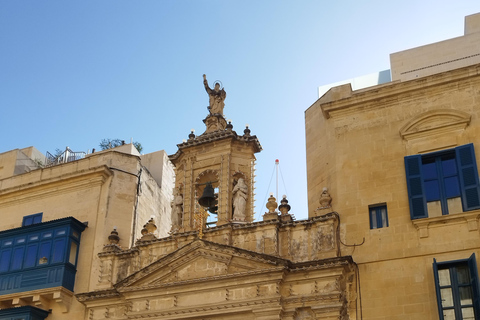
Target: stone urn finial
{"points": [[284, 207], [150, 226], [247, 131], [325, 199], [113, 238], [271, 206], [148, 230]]}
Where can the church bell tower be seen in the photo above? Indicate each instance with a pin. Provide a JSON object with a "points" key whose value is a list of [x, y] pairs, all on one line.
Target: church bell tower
{"points": [[219, 158]]}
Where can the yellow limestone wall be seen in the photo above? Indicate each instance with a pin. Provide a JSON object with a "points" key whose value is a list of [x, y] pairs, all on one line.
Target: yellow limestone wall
{"points": [[356, 144], [101, 190]]}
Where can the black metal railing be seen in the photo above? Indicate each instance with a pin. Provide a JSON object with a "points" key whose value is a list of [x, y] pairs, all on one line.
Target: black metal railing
{"points": [[66, 156]]}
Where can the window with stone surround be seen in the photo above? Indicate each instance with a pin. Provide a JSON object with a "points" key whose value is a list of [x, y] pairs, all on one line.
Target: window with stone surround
{"points": [[443, 182], [457, 287]]}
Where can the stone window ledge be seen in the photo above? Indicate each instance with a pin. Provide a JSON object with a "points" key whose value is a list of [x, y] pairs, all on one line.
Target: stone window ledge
{"points": [[470, 218]]}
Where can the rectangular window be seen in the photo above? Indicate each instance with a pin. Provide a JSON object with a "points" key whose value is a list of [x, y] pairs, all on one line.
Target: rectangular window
{"points": [[32, 219], [378, 216], [444, 182], [457, 287]]}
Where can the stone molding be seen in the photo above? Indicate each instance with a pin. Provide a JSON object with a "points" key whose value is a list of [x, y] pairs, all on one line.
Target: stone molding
{"points": [[469, 218], [63, 183], [386, 93], [441, 121]]}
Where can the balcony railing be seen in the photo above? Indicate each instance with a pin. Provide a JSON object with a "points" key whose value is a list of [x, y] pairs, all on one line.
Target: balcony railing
{"points": [[66, 156]]}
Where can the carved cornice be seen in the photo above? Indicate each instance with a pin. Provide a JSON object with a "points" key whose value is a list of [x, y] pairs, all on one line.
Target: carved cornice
{"points": [[42, 188], [99, 294], [213, 137], [235, 275], [389, 92], [205, 310]]}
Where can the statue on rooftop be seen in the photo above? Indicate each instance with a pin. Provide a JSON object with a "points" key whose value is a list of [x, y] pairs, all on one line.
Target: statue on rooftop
{"points": [[217, 97]]}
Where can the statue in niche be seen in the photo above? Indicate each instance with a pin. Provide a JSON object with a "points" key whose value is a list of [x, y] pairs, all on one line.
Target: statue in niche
{"points": [[217, 97], [240, 200], [177, 209]]}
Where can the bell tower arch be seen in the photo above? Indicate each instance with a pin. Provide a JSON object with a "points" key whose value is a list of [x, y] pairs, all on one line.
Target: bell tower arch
{"points": [[221, 157]]}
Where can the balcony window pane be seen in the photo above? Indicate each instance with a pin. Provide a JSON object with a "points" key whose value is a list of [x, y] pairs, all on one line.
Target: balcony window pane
{"points": [[73, 253]]}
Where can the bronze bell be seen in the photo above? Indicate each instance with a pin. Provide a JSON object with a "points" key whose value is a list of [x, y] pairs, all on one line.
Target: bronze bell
{"points": [[207, 199]]}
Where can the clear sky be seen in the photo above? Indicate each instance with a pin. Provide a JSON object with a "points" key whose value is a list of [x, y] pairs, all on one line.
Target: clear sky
{"points": [[75, 72]]}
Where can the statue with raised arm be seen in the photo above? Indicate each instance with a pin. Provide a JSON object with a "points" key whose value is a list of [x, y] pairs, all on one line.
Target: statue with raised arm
{"points": [[240, 200], [217, 97]]}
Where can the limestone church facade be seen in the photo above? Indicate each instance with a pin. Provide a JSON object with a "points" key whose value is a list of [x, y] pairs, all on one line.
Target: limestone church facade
{"points": [[213, 262]]}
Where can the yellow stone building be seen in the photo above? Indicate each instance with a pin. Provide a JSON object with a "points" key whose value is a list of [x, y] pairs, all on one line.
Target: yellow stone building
{"points": [[392, 233], [90, 239], [399, 161]]}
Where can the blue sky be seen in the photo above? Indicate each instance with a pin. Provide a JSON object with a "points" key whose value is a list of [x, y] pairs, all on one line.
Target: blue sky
{"points": [[75, 72]]}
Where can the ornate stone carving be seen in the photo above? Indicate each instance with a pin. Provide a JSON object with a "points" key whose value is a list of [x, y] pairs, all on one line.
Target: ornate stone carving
{"points": [[271, 206], [113, 238], [148, 230], [284, 207], [325, 199]]}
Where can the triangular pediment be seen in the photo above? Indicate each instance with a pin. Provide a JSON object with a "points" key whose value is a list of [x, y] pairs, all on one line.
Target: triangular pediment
{"points": [[201, 261]]}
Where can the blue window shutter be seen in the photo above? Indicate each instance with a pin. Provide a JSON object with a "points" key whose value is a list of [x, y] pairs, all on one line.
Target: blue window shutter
{"points": [[467, 169], [416, 191], [472, 264], [437, 289]]}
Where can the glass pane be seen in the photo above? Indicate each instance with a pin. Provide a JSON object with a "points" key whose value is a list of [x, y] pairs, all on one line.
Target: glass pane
{"points": [[463, 274], [5, 260], [432, 191], [429, 171], [444, 277], [73, 253], [449, 167], [18, 258], [447, 299], [383, 212], [373, 219], [44, 254], [465, 295], [452, 187], [448, 314], [31, 256], [468, 314], [58, 250]]}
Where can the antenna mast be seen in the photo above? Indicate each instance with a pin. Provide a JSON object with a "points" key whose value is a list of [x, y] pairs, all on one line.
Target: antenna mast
{"points": [[276, 182]]}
